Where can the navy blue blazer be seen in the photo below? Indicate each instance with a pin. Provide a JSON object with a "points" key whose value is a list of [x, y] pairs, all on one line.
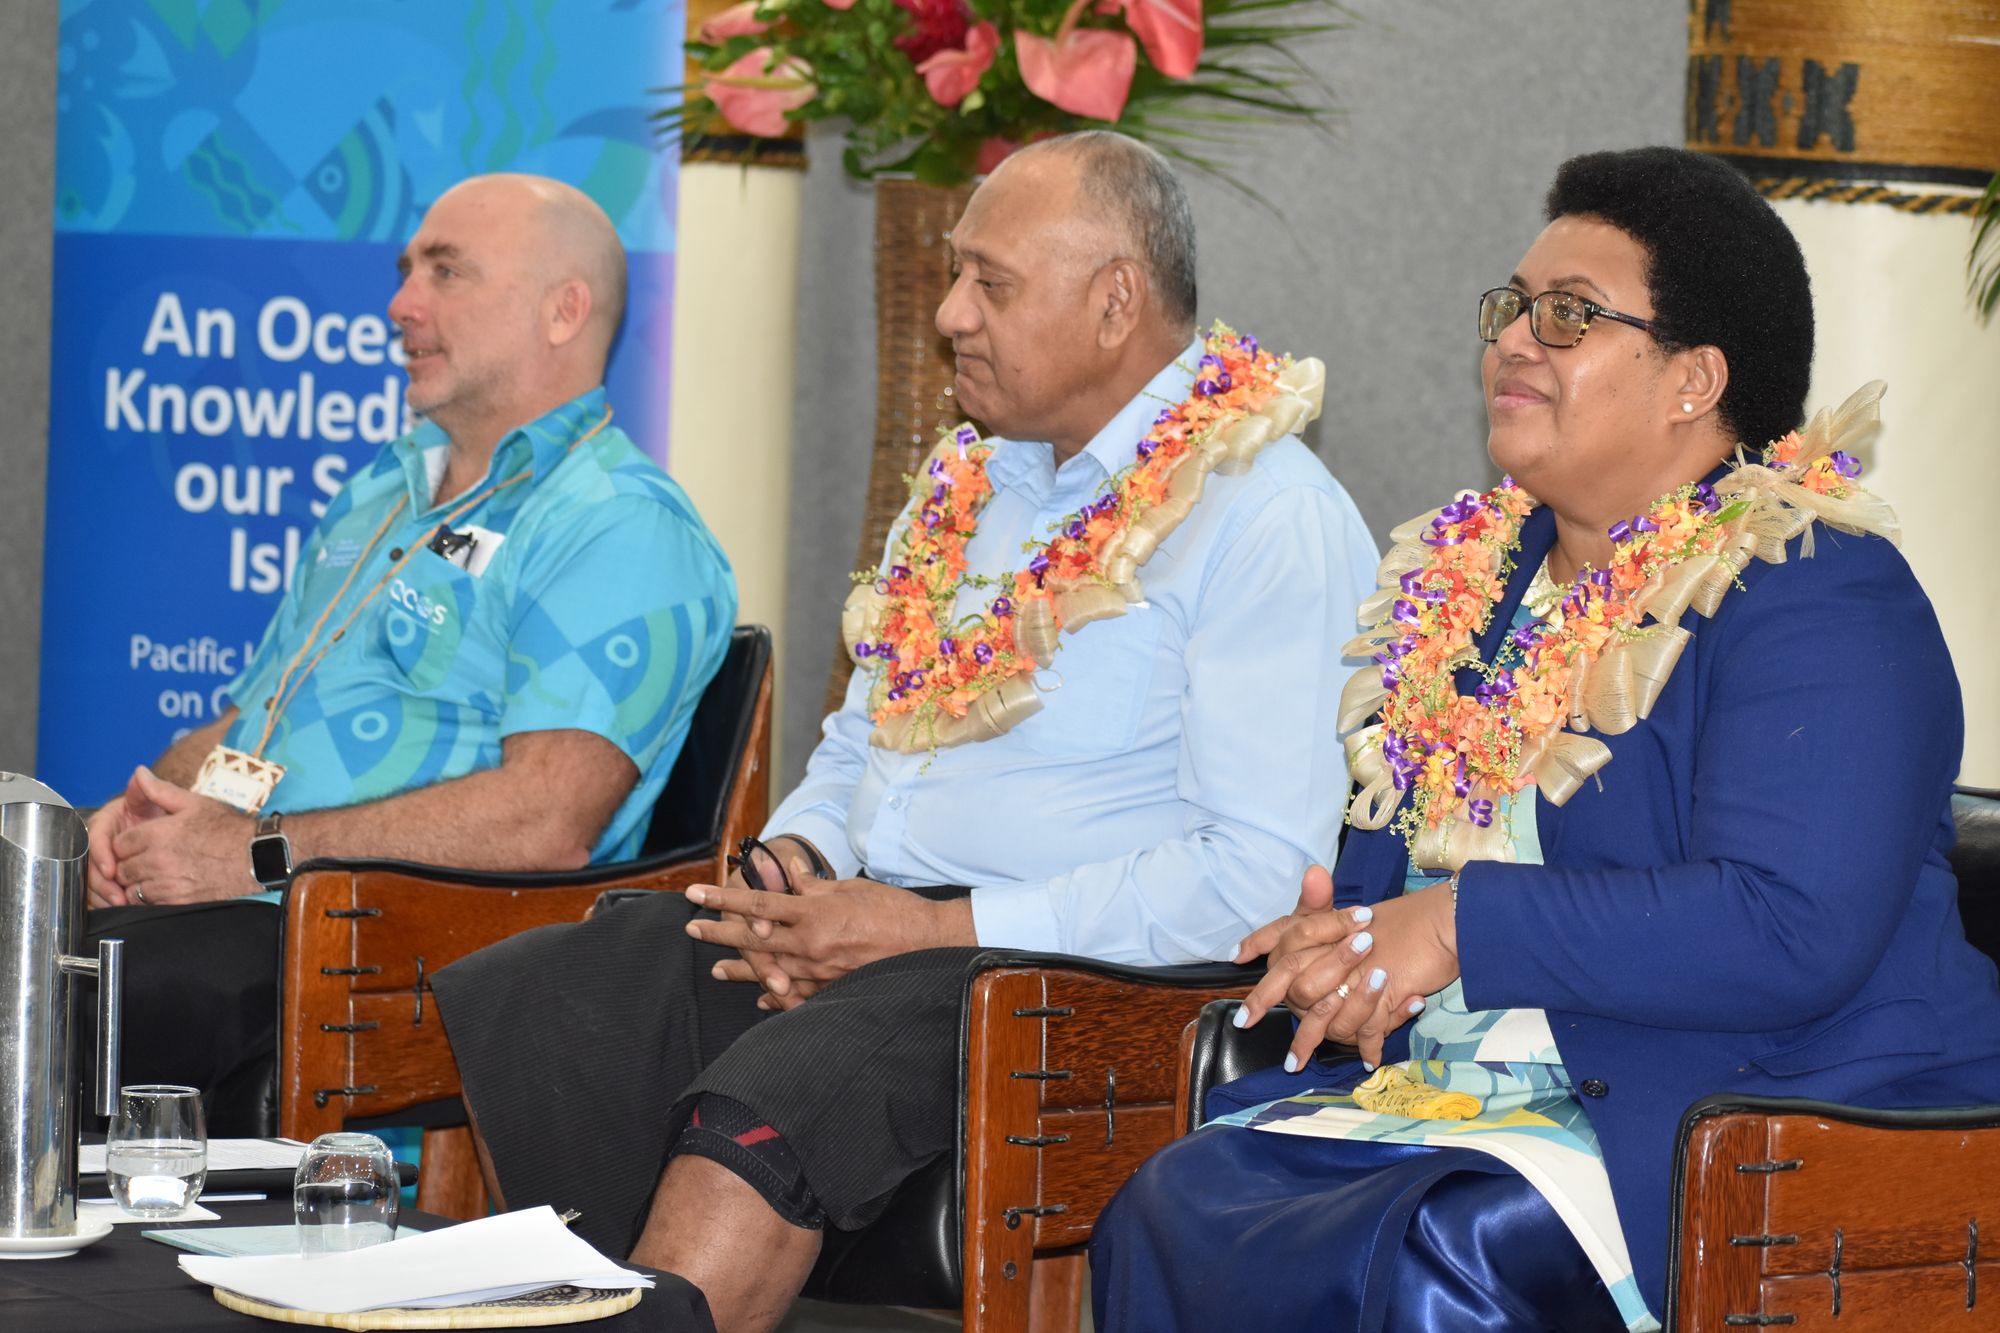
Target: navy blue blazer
{"points": [[1752, 896]]}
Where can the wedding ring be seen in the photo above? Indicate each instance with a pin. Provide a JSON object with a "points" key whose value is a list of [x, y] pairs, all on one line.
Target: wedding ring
{"points": [[139, 894], [1341, 990]]}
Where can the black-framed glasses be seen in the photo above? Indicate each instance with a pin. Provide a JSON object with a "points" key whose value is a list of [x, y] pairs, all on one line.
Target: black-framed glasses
{"points": [[746, 861], [1557, 319]]}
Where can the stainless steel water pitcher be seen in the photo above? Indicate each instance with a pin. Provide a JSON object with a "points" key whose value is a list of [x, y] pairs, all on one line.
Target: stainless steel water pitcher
{"points": [[43, 846]]}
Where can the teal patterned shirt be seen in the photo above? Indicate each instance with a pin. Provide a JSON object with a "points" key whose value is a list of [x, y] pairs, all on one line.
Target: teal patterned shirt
{"points": [[592, 597]]}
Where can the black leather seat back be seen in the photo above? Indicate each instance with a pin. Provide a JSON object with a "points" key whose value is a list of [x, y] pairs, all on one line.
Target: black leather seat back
{"points": [[1976, 862], [693, 804]]}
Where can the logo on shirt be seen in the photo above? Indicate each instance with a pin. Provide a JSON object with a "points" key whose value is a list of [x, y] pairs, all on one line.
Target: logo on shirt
{"points": [[428, 613], [339, 553]]}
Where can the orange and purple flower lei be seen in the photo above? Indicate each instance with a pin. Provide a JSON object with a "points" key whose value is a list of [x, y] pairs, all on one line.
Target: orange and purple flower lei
{"points": [[927, 658], [1440, 745]]}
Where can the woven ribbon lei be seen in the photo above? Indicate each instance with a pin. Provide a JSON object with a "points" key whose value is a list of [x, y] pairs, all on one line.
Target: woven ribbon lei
{"points": [[1221, 428]]}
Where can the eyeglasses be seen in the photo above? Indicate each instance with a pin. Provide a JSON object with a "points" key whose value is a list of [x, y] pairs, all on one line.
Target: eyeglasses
{"points": [[745, 860], [1557, 319]]}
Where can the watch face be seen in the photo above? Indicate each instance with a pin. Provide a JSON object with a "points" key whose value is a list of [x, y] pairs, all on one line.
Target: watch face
{"points": [[271, 858]]}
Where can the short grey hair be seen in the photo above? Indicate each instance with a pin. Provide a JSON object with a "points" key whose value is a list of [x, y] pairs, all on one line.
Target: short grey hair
{"points": [[1137, 192]]}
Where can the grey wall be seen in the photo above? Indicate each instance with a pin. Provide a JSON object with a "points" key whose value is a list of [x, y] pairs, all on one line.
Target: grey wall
{"points": [[1456, 115], [1426, 195], [27, 171]]}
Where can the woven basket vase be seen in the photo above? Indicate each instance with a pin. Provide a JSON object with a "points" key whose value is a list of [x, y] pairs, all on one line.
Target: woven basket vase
{"points": [[913, 363]]}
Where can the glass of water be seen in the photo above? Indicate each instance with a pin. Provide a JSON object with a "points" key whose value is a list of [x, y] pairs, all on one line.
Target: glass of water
{"points": [[345, 1193], [156, 1151]]}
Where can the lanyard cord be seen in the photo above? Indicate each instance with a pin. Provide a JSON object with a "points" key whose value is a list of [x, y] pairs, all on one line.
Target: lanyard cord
{"points": [[281, 698]]}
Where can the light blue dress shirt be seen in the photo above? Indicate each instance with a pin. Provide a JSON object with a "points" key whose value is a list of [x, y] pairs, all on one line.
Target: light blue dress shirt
{"points": [[1185, 767]]}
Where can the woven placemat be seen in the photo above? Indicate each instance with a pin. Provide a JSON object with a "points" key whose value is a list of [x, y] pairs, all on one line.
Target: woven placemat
{"points": [[536, 1309]]}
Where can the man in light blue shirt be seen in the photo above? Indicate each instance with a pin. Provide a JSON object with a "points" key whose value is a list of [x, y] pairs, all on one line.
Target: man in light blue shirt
{"points": [[1182, 772], [489, 656]]}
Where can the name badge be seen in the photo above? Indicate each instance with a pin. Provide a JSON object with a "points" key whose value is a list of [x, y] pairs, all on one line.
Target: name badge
{"points": [[238, 779]]}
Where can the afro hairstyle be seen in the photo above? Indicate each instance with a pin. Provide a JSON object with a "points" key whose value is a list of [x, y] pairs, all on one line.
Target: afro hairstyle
{"points": [[1722, 267]]}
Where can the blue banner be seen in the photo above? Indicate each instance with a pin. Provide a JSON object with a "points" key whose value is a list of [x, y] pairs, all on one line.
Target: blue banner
{"points": [[234, 181]]}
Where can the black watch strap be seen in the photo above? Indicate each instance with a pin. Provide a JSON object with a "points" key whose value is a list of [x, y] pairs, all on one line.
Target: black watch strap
{"points": [[271, 852]]}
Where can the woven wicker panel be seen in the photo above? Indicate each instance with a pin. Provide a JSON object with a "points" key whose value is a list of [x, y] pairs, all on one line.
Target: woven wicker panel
{"points": [[913, 364], [1848, 89]]}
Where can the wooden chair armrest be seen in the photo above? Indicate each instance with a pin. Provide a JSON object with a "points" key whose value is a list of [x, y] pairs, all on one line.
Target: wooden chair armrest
{"points": [[1789, 1206], [1070, 1075]]}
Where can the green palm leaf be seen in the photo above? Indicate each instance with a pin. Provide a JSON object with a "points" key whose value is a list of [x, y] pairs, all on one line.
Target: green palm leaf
{"points": [[1982, 266]]}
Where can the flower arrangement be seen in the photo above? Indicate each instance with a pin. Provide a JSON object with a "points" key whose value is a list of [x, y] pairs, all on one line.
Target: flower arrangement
{"points": [[946, 88]]}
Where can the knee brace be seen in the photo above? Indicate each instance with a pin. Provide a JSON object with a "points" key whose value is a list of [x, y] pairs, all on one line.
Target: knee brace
{"points": [[737, 1139]]}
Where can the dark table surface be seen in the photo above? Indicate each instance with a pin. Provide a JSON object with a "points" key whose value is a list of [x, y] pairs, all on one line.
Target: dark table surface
{"points": [[128, 1282]]}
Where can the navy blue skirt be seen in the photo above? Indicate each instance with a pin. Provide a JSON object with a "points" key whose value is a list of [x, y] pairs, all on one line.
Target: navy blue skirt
{"points": [[1239, 1228]]}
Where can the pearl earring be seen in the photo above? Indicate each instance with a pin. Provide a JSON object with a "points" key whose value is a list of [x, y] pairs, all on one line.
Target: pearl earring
{"points": [[1687, 407]]}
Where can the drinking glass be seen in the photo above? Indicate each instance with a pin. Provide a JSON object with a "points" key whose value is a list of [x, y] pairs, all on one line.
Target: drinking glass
{"points": [[345, 1193], [156, 1152]]}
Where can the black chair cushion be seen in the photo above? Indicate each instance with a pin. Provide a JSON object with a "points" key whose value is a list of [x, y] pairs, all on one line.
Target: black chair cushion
{"points": [[1976, 861], [1224, 1052], [695, 801]]}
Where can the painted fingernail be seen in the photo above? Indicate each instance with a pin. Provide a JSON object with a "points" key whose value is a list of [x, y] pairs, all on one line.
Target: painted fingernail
{"points": [[1363, 915], [1416, 1006], [1363, 942], [1291, 1063], [1377, 979], [1241, 1018], [1365, 1065]]}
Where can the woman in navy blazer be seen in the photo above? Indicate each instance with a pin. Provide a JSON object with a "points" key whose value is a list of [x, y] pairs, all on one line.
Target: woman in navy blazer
{"points": [[1750, 894]]}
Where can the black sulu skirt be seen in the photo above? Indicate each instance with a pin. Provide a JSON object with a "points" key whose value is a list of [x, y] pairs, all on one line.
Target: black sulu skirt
{"points": [[583, 1047]]}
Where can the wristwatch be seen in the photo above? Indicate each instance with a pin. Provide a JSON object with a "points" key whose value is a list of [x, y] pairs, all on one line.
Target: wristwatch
{"points": [[271, 853]]}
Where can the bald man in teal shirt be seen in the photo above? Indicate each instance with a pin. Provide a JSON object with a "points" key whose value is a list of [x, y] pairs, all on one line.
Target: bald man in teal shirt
{"points": [[489, 656]]}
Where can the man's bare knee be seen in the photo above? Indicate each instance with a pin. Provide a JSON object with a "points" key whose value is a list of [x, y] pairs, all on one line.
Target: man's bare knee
{"points": [[713, 1228]]}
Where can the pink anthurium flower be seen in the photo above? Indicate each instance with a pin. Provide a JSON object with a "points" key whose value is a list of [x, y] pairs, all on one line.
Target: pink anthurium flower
{"points": [[759, 91], [950, 75], [840, 4], [735, 21], [1085, 71], [1170, 30]]}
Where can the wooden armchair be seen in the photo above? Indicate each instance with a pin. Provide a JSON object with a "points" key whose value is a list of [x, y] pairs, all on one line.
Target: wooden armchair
{"points": [[359, 1040], [1787, 1212]]}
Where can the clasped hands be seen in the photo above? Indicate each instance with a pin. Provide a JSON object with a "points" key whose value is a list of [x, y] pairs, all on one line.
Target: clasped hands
{"points": [[792, 944], [1354, 975], [157, 844]]}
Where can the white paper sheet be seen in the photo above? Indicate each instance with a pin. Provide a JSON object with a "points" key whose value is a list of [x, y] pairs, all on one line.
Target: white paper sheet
{"points": [[481, 1260], [236, 1242]]}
